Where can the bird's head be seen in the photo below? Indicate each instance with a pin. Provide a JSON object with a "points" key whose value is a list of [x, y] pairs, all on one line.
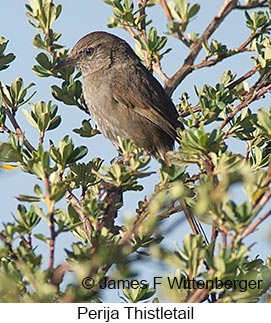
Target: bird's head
{"points": [[96, 51]]}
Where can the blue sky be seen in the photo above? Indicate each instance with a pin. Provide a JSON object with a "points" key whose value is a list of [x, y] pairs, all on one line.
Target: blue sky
{"points": [[77, 19]]}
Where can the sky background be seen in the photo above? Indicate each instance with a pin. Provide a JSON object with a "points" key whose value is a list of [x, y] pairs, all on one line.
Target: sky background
{"points": [[77, 19]]}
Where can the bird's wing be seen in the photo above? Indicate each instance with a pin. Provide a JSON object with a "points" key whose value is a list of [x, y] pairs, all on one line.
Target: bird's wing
{"points": [[145, 96]]}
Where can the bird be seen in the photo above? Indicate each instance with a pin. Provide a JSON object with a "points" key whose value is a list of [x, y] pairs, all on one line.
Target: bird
{"points": [[122, 95]]}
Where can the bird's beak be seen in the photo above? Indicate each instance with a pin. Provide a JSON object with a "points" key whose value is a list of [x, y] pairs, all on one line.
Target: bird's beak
{"points": [[66, 62]]}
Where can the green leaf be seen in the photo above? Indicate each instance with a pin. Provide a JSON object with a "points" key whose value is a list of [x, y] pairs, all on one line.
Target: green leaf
{"points": [[78, 153], [6, 94], [16, 93], [43, 116], [182, 6], [29, 118], [28, 198], [5, 60], [70, 93], [139, 292], [38, 190], [38, 42], [42, 237], [86, 130], [193, 10], [8, 153], [40, 71], [27, 220], [54, 123], [2, 112], [44, 61], [264, 120]]}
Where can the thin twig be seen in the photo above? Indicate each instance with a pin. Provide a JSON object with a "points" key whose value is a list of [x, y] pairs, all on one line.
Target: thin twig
{"points": [[128, 235], [170, 211], [142, 5], [18, 129], [142, 215], [262, 201], [253, 226], [244, 77], [52, 241], [51, 214], [258, 206], [206, 62], [247, 75], [128, 28], [256, 95], [12, 253], [4, 128], [242, 48], [264, 3], [158, 70], [111, 196], [168, 14], [78, 208]]}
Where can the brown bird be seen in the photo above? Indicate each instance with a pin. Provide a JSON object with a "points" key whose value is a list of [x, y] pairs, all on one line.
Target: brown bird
{"points": [[122, 96]]}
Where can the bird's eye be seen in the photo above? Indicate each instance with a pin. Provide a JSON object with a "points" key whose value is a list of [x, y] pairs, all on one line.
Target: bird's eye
{"points": [[89, 51]]}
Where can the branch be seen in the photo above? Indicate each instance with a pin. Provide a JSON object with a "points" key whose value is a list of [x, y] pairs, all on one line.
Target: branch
{"points": [[247, 75], [187, 67], [253, 226], [158, 70], [78, 208], [141, 32], [51, 215], [244, 77], [12, 253], [111, 195], [256, 95], [141, 215], [242, 48], [52, 241], [170, 211], [130, 30], [129, 234], [142, 5], [261, 4], [17, 128], [207, 63], [258, 206], [262, 201]]}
